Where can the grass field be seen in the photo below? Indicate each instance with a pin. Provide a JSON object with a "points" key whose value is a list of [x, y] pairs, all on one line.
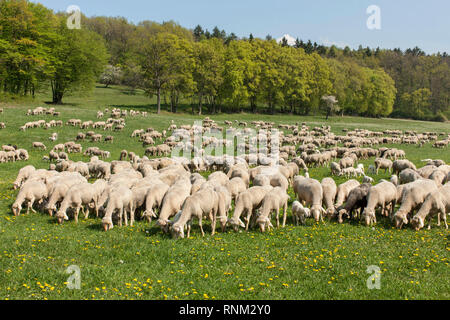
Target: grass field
{"points": [[315, 261]]}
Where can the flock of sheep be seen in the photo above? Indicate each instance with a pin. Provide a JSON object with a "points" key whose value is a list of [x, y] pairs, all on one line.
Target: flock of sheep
{"points": [[173, 191]]}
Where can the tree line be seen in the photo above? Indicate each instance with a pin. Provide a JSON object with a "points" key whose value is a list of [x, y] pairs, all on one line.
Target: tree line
{"points": [[214, 71]]}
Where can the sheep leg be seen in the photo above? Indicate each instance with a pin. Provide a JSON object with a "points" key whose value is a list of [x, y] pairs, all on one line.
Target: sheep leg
{"points": [[77, 213], [249, 214], [125, 217], [284, 215], [201, 226], [120, 216], [213, 224]]}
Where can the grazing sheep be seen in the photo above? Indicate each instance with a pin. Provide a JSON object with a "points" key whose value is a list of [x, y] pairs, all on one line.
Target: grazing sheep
{"points": [[248, 201], [383, 194], [413, 195], [382, 163], [120, 200], [310, 191], [437, 202], [335, 169], [23, 175], [154, 199], [408, 175], [272, 202], [203, 204], [79, 196], [172, 202], [400, 165], [329, 195], [344, 190], [300, 213], [30, 192], [356, 201], [39, 145], [235, 186]]}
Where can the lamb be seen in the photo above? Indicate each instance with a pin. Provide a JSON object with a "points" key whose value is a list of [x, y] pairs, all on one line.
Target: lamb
{"points": [[300, 213], [356, 200], [310, 191], [413, 195], [382, 163], [329, 195], [383, 194], [247, 202], [172, 202], [23, 175], [438, 202], [272, 202], [30, 192], [39, 145], [201, 205], [120, 200]]}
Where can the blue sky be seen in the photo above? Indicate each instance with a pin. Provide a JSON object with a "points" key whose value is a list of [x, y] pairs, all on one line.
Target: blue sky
{"points": [[404, 23]]}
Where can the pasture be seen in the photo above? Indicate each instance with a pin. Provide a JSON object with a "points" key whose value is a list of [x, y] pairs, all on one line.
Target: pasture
{"points": [[315, 261]]}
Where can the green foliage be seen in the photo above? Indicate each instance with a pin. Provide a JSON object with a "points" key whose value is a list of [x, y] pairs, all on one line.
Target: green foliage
{"points": [[214, 68]]}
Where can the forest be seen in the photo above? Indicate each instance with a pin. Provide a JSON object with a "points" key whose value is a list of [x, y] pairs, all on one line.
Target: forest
{"points": [[214, 71]]}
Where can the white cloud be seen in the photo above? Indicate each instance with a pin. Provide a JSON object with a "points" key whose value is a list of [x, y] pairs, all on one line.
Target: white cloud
{"points": [[290, 39]]}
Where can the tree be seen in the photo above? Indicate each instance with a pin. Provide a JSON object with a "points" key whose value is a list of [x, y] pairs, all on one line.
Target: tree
{"points": [[331, 104], [155, 55], [198, 33], [111, 75], [26, 30], [77, 59], [208, 70]]}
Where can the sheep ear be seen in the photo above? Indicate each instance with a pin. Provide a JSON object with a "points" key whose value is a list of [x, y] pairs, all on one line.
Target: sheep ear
{"points": [[405, 220], [241, 224]]}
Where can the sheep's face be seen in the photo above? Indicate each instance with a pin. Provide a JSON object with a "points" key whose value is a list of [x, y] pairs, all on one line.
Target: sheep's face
{"points": [[60, 217], [417, 223], [177, 231], [330, 212], [400, 220], [236, 223], [262, 224], [368, 216], [16, 186], [50, 209], [342, 212], [316, 212], [16, 208]]}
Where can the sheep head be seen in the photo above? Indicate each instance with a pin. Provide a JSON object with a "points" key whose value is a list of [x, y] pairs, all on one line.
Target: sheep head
{"points": [[177, 231], [400, 218], [16, 208], [417, 223]]}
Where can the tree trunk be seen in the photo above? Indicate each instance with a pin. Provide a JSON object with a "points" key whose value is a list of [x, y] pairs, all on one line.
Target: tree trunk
{"points": [[158, 93], [200, 100]]}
